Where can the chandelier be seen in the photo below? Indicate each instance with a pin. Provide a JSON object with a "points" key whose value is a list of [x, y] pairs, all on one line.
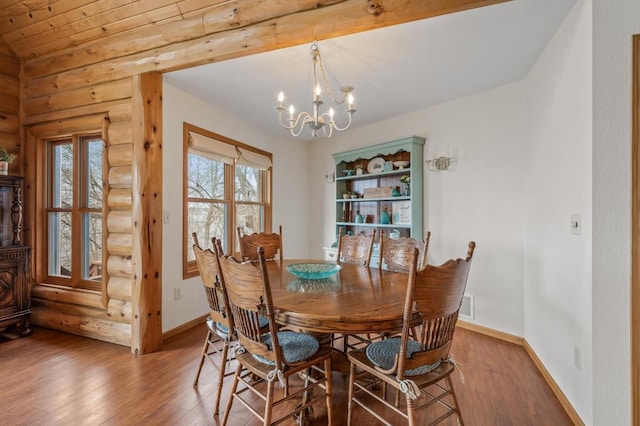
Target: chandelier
{"points": [[316, 120]]}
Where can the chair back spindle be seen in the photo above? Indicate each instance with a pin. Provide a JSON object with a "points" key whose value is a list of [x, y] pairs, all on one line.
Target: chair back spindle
{"points": [[249, 295], [211, 280]]}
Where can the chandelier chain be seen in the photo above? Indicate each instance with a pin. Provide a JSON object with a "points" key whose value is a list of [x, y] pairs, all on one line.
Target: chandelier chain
{"points": [[327, 86]]}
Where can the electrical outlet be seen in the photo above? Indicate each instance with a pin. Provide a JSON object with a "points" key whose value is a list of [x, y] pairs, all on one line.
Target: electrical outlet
{"points": [[166, 216], [577, 357], [576, 224], [177, 294]]}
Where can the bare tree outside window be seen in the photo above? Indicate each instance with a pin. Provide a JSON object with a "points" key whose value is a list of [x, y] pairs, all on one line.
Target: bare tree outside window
{"points": [[74, 211], [221, 194]]}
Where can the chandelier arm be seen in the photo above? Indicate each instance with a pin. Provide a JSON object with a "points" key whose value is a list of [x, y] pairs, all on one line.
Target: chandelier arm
{"points": [[329, 132], [302, 119], [340, 129], [305, 116]]}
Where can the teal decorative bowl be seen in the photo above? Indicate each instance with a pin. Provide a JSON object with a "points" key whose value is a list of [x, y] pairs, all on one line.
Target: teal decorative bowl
{"points": [[313, 271], [324, 286]]}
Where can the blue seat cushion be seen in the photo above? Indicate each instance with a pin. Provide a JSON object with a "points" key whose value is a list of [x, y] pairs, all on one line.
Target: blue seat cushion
{"points": [[217, 327], [382, 354], [225, 330], [295, 346]]}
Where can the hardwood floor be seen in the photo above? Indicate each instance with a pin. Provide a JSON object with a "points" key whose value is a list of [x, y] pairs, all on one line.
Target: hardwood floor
{"points": [[52, 378]]}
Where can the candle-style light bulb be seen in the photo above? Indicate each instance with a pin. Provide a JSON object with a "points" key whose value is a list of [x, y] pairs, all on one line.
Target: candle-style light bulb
{"points": [[291, 111], [280, 97], [350, 100], [318, 91], [331, 113]]}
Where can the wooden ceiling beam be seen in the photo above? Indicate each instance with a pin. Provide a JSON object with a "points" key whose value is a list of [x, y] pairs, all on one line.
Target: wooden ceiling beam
{"points": [[235, 29]]}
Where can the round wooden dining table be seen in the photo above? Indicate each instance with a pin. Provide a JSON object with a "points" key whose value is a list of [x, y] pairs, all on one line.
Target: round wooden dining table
{"points": [[356, 300]]}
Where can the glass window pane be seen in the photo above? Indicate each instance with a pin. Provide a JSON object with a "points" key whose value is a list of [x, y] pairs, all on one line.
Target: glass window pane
{"points": [[60, 244], [62, 176], [248, 184], [94, 174], [250, 218], [92, 246], [208, 220], [205, 178]]}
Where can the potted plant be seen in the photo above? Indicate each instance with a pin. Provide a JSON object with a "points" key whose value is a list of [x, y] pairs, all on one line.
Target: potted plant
{"points": [[5, 159], [359, 169], [346, 194]]}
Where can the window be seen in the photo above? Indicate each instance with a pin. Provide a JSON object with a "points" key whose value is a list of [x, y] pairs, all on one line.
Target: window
{"points": [[227, 184], [73, 209]]}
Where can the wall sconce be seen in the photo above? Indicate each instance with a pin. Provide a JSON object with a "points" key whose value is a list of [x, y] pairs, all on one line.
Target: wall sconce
{"points": [[330, 177], [439, 163]]}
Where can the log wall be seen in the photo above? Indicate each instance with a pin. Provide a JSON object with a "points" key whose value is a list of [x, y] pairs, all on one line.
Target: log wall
{"points": [[10, 105], [108, 79]]}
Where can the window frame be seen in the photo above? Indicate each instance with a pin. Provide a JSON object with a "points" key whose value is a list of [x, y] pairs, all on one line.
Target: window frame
{"points": [[78, 209], [189, 267]]}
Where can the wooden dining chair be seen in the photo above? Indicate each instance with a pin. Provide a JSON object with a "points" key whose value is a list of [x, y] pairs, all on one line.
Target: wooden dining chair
{"points": [[271, 243], [355, 249], [395, 253], [421, 369], [274, 356], [220, 322]]}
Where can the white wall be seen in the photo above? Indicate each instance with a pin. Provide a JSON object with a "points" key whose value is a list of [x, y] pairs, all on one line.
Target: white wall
{"points": [[481, 200], [557, 294], [485, 141], [290, 194], [614, 23], [523, 166]]}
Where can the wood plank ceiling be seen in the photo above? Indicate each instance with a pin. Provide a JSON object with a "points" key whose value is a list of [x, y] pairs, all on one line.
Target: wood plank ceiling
{"points": [[34, 28]]}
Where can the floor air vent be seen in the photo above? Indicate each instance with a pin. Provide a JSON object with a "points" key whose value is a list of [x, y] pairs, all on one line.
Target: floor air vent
{"points": [[466, 309]]}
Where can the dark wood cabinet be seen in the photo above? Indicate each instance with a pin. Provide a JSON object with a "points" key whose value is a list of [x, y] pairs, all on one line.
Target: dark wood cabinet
{"points": [[15, 280]]}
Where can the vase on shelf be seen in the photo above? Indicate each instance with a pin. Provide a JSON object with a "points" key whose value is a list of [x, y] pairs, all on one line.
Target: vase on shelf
{"points": [[385, 219]]}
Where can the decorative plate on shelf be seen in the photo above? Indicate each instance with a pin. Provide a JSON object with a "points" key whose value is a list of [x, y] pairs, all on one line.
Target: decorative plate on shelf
{"points": [[375, 165], [313, 271]]}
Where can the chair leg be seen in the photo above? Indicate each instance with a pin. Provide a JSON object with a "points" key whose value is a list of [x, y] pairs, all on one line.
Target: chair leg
{"points": [[411, 411], [352, 380], [223, 370], [455, 399], [329, 388], [268, 407], [202, 357], [234, 386]]}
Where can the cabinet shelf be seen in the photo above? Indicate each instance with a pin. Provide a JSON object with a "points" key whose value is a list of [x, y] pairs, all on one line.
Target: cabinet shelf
{"points": [[396, 172], [410, 206], [364, 200], [374, 225]]}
